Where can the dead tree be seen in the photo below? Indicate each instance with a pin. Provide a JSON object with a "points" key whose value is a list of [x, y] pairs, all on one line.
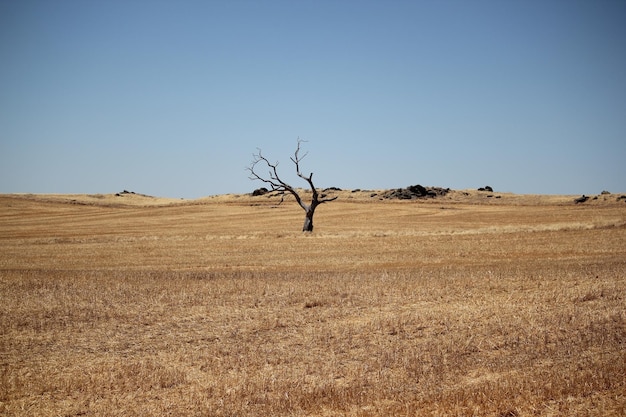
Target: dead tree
{"points": [[272, 179]]}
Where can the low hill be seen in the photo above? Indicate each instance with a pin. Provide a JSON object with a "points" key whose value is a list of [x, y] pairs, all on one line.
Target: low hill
{"points": [[415, 193]]}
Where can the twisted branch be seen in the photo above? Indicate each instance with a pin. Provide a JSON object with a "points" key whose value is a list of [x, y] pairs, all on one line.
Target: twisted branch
{"points": [[277, 184]]}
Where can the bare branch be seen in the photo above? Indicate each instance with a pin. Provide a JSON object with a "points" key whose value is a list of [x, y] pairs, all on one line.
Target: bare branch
{"points": [[326, 200], [297, 158], [273, 180]]}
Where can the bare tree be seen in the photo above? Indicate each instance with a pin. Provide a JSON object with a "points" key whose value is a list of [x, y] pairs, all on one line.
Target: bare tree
{"points": [[272, 179]]}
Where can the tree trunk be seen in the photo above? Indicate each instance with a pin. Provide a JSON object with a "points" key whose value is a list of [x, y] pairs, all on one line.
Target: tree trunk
{"points": [[308, 220]]}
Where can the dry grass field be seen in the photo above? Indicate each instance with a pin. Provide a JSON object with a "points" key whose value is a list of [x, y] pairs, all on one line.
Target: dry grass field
{"points": [[472, 304]]}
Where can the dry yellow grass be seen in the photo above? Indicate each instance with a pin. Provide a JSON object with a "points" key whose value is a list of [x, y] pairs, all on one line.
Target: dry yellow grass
{"points": [[462, 305]]}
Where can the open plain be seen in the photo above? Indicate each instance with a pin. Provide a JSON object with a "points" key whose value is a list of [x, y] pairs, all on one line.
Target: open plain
{"points": [[469, 304]]}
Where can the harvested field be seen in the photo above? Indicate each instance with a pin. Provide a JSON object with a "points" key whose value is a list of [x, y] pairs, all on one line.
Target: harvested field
{"points": [[465, 304]]}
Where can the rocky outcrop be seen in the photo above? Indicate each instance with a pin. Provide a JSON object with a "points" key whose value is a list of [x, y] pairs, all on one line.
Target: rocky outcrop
{"points": [[415, 192]]}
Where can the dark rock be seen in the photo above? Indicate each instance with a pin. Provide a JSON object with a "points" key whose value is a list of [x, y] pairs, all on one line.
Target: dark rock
{"points": [[403, 194], [581, 199], [438, 191], [260, 191], [418, 190]]}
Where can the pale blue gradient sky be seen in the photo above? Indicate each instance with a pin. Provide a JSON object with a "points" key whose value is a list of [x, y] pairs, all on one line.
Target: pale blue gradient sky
{"points": [[171, 98]]}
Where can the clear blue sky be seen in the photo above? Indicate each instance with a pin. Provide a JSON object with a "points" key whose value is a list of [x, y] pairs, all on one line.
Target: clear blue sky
{"points": [[171, 98]]}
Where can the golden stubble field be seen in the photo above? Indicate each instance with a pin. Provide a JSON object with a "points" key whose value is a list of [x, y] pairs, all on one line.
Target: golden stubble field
{"points": [[463, 305]]}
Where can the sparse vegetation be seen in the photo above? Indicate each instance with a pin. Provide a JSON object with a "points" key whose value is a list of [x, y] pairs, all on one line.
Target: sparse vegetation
{"points": [[457, 305]]}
